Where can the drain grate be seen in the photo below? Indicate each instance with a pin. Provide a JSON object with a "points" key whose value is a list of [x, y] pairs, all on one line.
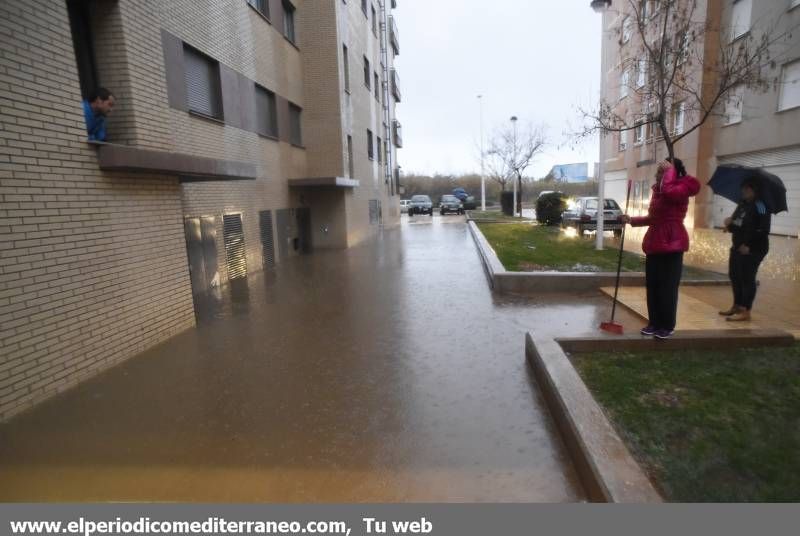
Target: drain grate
{"points": [[233, 234]]}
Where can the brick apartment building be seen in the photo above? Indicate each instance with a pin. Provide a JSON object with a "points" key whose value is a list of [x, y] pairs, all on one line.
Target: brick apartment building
{"points": [[753, 128], [245, 132]]}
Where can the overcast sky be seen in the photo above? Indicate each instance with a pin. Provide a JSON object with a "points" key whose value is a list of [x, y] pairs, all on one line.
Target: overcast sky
{"points": [[535, 59]]}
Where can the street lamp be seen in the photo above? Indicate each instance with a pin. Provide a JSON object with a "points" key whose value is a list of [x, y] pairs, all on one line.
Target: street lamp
{"points": [[514, 160], [483, 169], [601, 6]]}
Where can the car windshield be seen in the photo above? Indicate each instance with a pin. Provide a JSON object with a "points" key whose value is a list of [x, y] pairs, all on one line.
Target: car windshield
{"points": [[420, 199], [450, 199], [611, 205]]}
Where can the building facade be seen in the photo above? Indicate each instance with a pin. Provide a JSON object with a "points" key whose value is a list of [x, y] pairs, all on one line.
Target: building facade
{"points": [[244, 134], [751, 127]]}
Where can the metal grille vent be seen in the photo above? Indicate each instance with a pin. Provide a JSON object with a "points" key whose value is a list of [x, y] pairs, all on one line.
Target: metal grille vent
{"points": [[233, 234], [267, 240]]}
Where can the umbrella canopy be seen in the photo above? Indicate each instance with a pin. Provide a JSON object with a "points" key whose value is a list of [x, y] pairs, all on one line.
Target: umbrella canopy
{"points": [[727, 182]]}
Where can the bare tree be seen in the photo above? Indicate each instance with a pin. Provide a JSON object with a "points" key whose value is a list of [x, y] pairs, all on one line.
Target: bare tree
{"points": [[672, 81], [511, 151]]}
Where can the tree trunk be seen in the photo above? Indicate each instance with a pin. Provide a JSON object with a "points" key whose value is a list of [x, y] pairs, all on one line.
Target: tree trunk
{"points": [[519, 194]]}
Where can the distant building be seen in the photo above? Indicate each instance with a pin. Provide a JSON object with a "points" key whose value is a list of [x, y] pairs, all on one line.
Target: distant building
{"points": [[570, 172]]}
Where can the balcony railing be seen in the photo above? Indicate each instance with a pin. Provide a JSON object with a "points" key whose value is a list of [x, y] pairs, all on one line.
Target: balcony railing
{"points": [[396, 85], [397, 133], [394, 35]]}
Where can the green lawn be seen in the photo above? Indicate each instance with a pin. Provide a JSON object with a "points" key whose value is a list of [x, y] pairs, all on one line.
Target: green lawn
{"points": [[534, 248], [527, 248], [707, 426]]}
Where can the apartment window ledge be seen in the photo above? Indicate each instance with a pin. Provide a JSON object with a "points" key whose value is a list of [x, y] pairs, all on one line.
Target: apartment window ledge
{"points": [[792, 108], [201, 115], [263, 16], [297, 146], [348, 91], [268, 136], [292, 43], [740, 37], [731, 124]]}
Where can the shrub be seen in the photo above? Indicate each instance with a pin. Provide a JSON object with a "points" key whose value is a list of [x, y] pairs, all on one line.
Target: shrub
{"points": [[507, 203], [549, 208]]}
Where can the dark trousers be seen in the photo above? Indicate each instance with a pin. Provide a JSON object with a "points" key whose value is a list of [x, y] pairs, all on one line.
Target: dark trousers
{"points": [[742, 270], [664, 272]]}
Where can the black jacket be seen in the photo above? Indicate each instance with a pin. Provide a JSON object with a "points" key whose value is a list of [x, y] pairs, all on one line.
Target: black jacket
{"points": [[750, 226]]}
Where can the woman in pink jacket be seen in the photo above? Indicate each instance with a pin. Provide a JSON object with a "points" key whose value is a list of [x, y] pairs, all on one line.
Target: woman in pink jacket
{"points": [[665, 243]]}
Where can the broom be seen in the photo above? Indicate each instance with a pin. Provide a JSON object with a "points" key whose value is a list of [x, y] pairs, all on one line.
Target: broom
{"points": [[611, 326]]}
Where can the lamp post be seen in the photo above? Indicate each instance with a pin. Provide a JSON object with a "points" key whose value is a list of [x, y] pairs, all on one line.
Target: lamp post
{"points": [[601, 6], [483, 169], [514, 160]]}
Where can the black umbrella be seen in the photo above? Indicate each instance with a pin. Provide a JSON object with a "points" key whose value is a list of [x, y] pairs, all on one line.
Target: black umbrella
{"points": [[727, 182]]}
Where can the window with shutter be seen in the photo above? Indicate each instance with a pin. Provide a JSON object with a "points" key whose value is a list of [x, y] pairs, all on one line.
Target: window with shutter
{"points": [[296, 132], [790, 86], [202, 83], [288, 21], [266, 112], [370, 145], [262, 6]]}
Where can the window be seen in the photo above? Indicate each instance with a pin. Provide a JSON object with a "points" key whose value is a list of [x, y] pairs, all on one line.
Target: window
{"points": [[790, 84], [266, 112], [645, 8], [288, 21], [641, 73], [740, 18], [624, 83], [295, 125], [733, 106], [794, 4], [627, 29], [364, 7], [370, 145], [678, 117], [80, 21], [367, 74], [638, 134], [374, 21], [262, 6], [202, 83], [683, 45], [346, 57], [350, 162], [380, 150], [623, 141], [377, 88]]}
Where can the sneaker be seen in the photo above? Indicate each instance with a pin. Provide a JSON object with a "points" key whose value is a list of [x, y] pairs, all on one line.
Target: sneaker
{"points": [[741, 316], [648, 331], [730, 312], [663, 334]]}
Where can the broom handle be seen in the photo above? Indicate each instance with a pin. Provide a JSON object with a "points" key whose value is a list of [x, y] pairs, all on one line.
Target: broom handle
{"points": [[621, 249]]}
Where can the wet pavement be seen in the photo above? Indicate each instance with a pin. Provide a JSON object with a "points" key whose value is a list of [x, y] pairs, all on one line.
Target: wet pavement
{"points": [[385, 373]]}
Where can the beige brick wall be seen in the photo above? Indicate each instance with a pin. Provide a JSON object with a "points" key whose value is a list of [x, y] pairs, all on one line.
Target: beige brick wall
{"points": [[93, 265]]}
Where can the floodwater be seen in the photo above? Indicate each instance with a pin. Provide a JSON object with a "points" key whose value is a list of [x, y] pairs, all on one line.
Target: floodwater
{"points": [[385, 373]]}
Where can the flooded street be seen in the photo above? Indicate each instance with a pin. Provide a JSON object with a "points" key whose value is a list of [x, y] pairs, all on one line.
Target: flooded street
{"points": [[385, 373]]}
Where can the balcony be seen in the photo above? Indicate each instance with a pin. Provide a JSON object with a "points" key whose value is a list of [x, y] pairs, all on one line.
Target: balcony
{"points": [[396, 85], [397, 134], [394, 35]]}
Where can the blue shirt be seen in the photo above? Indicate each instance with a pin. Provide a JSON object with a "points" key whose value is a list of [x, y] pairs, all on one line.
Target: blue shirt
{"points": [[95, 123]]}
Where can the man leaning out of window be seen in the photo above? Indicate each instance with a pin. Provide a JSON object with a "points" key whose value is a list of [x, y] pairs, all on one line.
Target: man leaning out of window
{"points": [[95, 109]]}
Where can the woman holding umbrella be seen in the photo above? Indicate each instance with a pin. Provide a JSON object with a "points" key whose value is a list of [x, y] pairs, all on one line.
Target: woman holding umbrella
{"points": [[759, 194], [665, 243], [749, 225]]}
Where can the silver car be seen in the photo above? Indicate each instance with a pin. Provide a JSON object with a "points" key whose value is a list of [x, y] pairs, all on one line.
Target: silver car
{"points": [[582, 215]]}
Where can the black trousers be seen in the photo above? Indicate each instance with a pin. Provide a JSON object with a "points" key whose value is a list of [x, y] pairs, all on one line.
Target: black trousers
{"points": [[742, 270], [664, 272]]}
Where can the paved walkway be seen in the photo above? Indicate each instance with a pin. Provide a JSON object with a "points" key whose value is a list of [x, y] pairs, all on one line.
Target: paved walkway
{"points": [[388, 372], [777, 305]]}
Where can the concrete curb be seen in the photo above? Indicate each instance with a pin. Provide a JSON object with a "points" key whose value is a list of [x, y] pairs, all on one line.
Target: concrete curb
{"points": [[504, 282], [605, 466], [683, 340]]}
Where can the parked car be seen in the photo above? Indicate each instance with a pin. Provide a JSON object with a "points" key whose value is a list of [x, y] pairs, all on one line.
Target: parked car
{"points": [[450, 204], [468, 201], [404, 206], [582, 215], [420, 204]]}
